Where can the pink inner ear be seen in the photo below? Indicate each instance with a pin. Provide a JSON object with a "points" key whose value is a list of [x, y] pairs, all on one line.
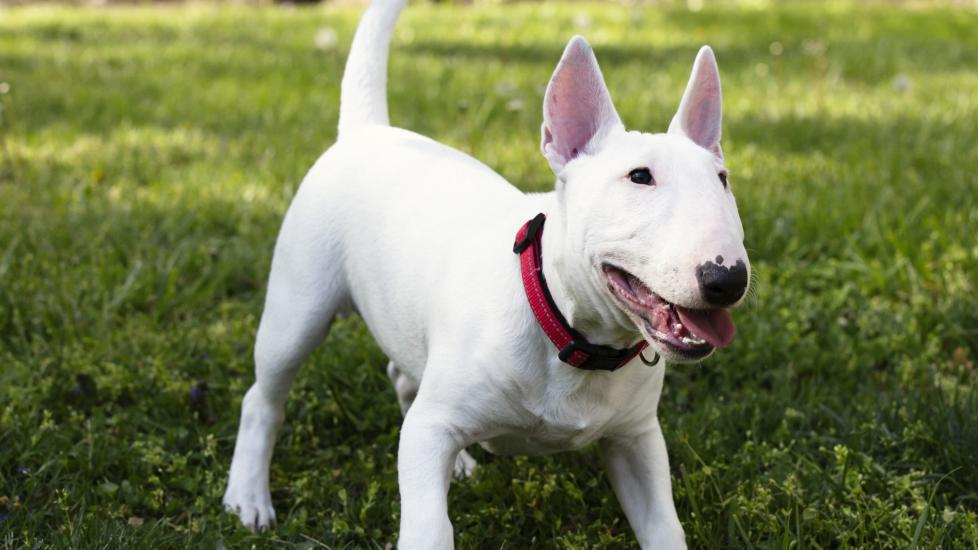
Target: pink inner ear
{"points": [[701, 109], [577, 107], [703, 114]]}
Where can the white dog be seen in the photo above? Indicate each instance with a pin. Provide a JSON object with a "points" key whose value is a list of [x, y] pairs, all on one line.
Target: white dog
{"points": [[642, 245]]}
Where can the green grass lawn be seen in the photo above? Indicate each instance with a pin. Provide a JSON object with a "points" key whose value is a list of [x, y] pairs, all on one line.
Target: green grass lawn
{"points": [[147, 156]]}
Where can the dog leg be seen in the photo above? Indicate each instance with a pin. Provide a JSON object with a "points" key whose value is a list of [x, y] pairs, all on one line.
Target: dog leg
{"points": [[429, 444], [639, 471], [464, 465], [407, 389], [302, 300]]}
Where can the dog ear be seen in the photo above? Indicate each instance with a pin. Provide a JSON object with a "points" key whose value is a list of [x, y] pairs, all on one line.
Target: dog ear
{"points": [[577, 109], [701, 109]]}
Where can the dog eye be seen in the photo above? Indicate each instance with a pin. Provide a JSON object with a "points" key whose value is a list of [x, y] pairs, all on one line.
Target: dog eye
{"points": [[641, 176], [723, 179]]}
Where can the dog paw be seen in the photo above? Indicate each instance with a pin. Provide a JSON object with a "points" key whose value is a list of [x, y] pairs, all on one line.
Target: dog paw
{"points": [[464, 465], [667, 536], [254, 508]]}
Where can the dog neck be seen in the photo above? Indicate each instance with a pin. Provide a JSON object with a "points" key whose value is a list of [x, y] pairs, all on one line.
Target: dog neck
{"points": [[577, 288]]}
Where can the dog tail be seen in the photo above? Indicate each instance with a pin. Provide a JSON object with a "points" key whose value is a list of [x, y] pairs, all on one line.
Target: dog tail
{"points": [[363, 93]]}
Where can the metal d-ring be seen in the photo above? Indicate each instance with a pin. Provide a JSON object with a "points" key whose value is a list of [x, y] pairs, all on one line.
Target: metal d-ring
{"points": [[651, 363]]}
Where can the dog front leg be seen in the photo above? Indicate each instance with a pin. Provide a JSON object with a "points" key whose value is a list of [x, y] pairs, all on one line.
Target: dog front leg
{"points": [[639, 471], [425, 460]]}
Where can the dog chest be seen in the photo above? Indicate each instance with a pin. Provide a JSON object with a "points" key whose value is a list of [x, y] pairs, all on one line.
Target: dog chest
{"points": [[543, 440], [558, 425], [551, 420]]}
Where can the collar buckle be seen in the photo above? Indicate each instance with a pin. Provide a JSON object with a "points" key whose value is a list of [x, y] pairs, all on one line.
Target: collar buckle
{"points": [[533, 228], [598, 357]]}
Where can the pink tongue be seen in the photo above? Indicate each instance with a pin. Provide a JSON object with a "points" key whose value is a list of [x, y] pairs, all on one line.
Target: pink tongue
{"points": [[715, 325]]}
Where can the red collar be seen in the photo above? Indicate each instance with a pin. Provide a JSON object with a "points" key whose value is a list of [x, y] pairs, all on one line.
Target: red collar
{"points": [[574, 348]]}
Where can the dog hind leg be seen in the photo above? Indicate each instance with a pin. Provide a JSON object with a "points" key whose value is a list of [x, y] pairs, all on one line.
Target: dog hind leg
{"points": [[407, 389], [305, 292]]}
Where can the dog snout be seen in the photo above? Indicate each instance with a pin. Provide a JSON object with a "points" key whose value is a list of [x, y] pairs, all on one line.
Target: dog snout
{"points": [[722, 286]]}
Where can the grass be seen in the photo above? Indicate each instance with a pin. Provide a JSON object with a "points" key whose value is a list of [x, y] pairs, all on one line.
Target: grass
{"points": [[147, 156]]}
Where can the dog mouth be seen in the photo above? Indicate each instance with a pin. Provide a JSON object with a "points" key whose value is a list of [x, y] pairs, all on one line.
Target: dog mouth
{"points": [[688, 333]]}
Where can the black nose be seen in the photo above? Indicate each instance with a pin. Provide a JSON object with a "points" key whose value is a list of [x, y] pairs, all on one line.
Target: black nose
{"points": [[721, 286]]}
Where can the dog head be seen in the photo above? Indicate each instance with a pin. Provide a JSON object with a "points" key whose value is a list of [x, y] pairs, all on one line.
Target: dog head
{"points": [[650, 219]]}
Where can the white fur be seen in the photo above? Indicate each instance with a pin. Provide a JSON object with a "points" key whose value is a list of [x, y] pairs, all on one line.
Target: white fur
{"points": [[417, 238]]}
